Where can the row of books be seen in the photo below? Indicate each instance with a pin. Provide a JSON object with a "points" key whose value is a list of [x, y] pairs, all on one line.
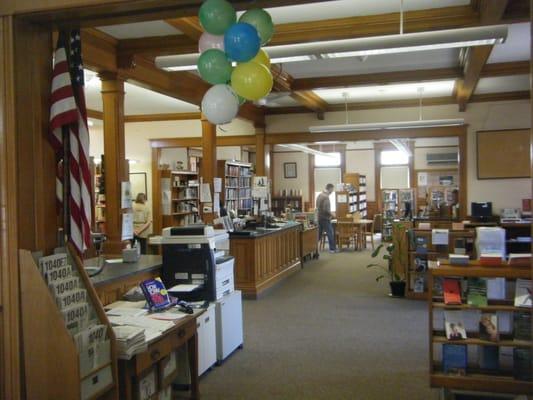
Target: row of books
{"points": [[490, 326], [66, 287], [455, 360], [235, 182], [479, 290]]}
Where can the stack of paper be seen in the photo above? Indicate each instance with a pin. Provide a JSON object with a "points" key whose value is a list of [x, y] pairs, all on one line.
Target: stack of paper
{"points": [[131, 340]]}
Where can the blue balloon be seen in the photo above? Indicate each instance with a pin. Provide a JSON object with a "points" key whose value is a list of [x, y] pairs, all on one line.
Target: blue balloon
{"points": [[241, 42]]}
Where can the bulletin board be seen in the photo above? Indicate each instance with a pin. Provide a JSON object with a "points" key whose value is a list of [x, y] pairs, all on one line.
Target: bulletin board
{"points": [[503, 154]]}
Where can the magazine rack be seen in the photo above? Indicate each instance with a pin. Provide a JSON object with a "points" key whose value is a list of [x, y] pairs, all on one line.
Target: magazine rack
{"points": [[501, 380], [52, 363]]}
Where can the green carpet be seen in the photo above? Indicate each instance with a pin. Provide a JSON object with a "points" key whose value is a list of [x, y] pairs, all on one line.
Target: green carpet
{"points": [[328, 332]]}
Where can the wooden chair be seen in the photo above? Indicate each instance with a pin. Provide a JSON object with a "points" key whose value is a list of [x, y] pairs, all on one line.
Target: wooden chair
{"points": [[371, 232], [345, 234], [322, 241]]}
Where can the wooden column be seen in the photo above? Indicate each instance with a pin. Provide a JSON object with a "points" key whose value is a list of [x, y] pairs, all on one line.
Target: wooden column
{"points": [[209, 159], [261, 154], [463, 178], [157, 215], [114, 156]]}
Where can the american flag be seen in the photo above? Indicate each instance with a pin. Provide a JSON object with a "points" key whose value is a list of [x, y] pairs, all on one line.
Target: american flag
{"points": [[69, 136]]}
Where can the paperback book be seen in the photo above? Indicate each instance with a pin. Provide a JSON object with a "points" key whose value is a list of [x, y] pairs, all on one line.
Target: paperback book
{"points": [[452, 291], [477, 292], [496, 289], [156, 294], [454, 358], [522, 325], [522, 368], [421, 263], [421, 243], [522, 296], [454, 325], [489, 358], [419, 286], [488, 327]]}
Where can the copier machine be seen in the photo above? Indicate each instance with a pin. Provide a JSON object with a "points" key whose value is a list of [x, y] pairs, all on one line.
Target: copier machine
{"points": [[194, 256]]}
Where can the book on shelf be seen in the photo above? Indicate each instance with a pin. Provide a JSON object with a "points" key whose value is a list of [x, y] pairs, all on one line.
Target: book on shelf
{"points": [[454, 358], [421, 243], [490, 259], [496, 289], [452, 291], [454, 325], [459, 245], [522, 296], [458, 259], [519, 259], [489, 358], [476, 292], [438, 286], [488, 327], [522, 325], [522, 364], [421, 263], [419, 285]]}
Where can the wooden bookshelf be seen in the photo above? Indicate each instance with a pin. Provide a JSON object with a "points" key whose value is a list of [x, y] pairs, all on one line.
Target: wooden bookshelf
{"points": [[184, 198], [357, 200], [236, 186], [416, 257], [280, 203], [475, 378]]}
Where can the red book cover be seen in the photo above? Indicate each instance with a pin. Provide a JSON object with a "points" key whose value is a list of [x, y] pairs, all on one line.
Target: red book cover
{"points": [[452, 291]]}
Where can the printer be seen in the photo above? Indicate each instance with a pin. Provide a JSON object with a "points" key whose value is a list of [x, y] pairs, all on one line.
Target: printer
{"points": [[194, 267]]}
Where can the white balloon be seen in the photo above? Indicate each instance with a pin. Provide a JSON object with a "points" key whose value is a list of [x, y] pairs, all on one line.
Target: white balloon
{"points": [[208, 41], [220, 104]]}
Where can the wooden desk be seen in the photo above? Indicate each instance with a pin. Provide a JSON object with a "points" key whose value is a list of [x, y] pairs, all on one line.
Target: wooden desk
{"points": [[155, 359], [309, 243]]}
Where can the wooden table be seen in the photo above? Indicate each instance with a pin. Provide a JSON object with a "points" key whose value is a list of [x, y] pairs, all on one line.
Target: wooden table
{"points": [[358, 225], [156, 358], [309, 243]]}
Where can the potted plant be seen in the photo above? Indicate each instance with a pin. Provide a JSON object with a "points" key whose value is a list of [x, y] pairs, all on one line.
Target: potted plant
{"points": [[396, 283]]}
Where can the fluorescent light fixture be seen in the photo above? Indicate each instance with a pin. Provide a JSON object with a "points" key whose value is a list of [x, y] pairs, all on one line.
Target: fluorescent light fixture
{"points": [[375, 126], [132, 162], [97, 160], [307, 150], [389, 44], [90, 122]]}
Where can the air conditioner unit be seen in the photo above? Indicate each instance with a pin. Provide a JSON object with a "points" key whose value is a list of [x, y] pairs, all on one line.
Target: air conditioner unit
{"points": [[441, 158]]}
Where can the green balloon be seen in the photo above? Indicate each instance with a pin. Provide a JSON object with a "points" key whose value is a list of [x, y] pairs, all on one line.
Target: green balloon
{"points": [[216, 16], [214, 67], [262, 21], [242, 100]]}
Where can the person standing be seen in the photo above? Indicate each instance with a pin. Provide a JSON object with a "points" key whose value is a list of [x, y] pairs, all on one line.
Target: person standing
{"points": [[141, 220], [323, 207]]}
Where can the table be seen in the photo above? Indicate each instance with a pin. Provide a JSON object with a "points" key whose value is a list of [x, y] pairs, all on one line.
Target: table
{"points": [[159, 362], [359, 228]]}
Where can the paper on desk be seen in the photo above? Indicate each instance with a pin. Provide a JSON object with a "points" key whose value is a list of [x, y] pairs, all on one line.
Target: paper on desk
{"points": [[170, 315], [126, 312], [183, 288], [125, 304], [439, 236], [142, 322], [114, 260]]}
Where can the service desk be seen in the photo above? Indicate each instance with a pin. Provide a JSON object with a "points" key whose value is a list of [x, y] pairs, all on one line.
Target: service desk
{"points": [[265, 257], [117, 278]]}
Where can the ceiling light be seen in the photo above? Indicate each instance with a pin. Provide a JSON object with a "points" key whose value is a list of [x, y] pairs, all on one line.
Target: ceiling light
{"points": [[132, 162], [307, 150], [90, 122], [374, 126], [360, 47]]}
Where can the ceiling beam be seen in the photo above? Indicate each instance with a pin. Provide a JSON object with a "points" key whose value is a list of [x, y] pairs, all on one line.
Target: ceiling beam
{"points": [[491, 12], [234, 140], [418, 75], [191, 27], [430, 101], [94, 114], [99, 54]]}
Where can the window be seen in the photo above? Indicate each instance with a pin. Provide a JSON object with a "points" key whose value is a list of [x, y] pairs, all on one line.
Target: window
{"points": [[334, 160], [332, 201], [394, 158]]}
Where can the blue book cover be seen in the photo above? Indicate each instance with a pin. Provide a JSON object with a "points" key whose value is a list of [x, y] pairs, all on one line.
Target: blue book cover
{"points": [[454, 358], [489, 358], [156, 294]]}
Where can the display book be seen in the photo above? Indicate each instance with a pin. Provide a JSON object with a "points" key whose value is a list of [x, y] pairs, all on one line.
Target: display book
{"points": [[427, 247], [480, 328], [68, 301]]}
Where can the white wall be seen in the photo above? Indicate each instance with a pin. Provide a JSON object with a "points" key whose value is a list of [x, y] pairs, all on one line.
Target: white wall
{"points": [[302, 171], [479, 116], [362, 162]]}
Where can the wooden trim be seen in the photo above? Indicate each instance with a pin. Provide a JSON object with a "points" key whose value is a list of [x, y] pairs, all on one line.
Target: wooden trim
{"points": [[162, 117], [505, 69], [463, 177], [156, 192], [189, 26], [222, 141], [95, 114], [312, 101], [10, 363], [311, 172], [436, 147]]}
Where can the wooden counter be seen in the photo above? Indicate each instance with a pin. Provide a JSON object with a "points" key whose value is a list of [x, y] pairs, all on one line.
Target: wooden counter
{"points": [[264, 259]]}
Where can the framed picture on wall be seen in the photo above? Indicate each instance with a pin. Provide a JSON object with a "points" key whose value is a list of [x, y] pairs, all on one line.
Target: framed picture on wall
{"points": [[289, 169]]}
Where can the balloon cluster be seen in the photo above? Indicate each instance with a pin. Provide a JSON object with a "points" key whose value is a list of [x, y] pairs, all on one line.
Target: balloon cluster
{"points": [[225, 41]]}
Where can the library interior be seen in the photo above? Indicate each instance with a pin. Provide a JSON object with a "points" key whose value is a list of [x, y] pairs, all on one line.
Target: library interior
{"points": [[266, 199]]}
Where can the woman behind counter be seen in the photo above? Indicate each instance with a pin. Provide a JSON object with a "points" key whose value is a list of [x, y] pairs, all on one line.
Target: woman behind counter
{"points": [[141, 220]]}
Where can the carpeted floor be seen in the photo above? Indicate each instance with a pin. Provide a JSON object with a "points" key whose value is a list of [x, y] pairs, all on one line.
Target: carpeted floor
{"points": [[328, 332]]}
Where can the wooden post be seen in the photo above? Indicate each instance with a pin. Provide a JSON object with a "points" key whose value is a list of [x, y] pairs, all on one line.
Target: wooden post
{"points": [[209, 159], [115, 158], [261, 154]]}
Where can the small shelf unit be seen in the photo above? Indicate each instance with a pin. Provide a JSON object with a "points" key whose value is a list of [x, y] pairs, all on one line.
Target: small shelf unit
{"points": [[236, 186], [184, 198]]}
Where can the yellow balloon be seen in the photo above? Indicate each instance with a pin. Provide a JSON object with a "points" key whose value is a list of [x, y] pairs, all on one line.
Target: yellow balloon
{"points": [[251, 80], [261, 58]]}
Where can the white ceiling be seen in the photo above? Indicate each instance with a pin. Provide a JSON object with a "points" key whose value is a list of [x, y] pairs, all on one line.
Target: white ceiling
{"points": [[516, 47], [503, 84], [137, 99], [139, 30]]}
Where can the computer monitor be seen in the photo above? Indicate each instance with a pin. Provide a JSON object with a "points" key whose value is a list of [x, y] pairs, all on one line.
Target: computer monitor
{"points": [[481, 210]]}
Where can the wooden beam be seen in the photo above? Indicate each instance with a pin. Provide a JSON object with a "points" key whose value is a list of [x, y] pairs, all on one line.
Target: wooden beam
{"points": [[235, 140], [162, 117], [157, 45], [189, 26], [95, 114], [505, 69], [307, 137], [312, 101], [431, 101], [208, 169], [491, 11]]}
